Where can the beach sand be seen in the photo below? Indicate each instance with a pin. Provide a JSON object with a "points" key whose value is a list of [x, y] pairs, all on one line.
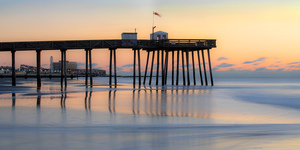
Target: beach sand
{"points": [[233, 114]]}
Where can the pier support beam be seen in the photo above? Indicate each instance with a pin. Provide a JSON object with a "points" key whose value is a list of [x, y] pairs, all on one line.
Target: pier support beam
{"points": [[183, 72], [38, 67], [210, 71], [162, 68], [65, 67], [173, 67], [166, 67], [112, 52], [86, 66], [115, 67], [157, 69], [62, 68], [151, 70], [145, 76], [193, 68], [13, 67], [204, 69], [110, 66], [91, 69], [187, 67], [134, 64], [200, 72], [177, 71], [139, 65]]}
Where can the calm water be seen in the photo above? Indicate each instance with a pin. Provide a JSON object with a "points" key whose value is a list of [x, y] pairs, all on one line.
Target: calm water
{"points": [[237, 113]]}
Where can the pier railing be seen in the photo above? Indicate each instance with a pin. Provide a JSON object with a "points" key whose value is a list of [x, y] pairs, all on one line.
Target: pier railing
{"points": [[83, 44]]}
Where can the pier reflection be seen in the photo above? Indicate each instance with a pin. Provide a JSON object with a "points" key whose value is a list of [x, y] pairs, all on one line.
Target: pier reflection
{"points": [[175, 103], [183, 102]]}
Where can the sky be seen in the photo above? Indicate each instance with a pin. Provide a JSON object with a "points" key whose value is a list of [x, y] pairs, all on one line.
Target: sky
{"points": [[253, 36]]}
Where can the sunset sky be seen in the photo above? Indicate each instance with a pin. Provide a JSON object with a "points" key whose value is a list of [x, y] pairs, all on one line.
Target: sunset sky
{"points": [[252, 35]]}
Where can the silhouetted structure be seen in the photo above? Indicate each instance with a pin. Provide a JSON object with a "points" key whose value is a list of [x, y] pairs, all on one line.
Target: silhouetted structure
{"points": [[163, 46]]}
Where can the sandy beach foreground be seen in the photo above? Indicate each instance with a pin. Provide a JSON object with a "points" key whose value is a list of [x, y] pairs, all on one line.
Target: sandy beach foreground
{"points": [[235, 114]]}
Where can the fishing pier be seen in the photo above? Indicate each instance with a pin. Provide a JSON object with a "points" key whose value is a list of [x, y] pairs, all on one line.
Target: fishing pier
{"points": [[163, 50]]}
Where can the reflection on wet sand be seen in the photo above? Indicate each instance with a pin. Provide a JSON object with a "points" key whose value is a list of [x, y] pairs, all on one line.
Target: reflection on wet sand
{"points": [[175, 103], [150, 102]]}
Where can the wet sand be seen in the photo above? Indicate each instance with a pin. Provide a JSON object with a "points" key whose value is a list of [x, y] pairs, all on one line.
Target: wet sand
{"points": [[243, 114]]}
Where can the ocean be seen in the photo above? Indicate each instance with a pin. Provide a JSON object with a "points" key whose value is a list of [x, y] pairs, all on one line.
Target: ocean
{"points": [[235, 113]]}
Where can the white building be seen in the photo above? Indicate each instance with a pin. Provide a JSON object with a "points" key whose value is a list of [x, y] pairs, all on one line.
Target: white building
{"points": [[129, 39], [159, 35], [129, 36]]}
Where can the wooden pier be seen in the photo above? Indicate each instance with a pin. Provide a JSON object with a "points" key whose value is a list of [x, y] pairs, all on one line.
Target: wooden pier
{"points": [[161, 48]]}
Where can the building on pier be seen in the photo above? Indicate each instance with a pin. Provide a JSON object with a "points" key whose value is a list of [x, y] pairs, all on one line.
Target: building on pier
{"points": [[159, 35]]}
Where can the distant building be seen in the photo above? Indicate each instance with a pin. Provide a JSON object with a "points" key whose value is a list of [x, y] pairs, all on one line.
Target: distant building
{"points": [[51, 63], [159, 35], [71, 66], [5, 69], [31, 69], [27, 68]]}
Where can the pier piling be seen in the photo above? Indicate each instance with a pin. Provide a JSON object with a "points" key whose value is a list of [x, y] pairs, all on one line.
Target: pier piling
{"points": [[13, 67], [177, 70], [91, 69], [210, 71], [65, 67], [187, 67], [200, 72], [38, 67], [193, 60], [146, 67], [115, 67], [134, 64], [172, 67], [183, 72], [157, 69], [204, 68], [139, 66], [151, 70], [86, 66]]}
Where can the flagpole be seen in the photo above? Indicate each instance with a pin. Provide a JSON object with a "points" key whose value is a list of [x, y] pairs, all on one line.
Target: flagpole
{"points": [[153, 19], [153, 27]]}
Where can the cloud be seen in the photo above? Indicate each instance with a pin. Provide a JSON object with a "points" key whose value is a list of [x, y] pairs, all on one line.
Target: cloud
{"points": [[94, 64], [259, 72], [261, 69], [223, 65], [80, 64], [294, 63], [127, 65], [278, 62], [257, 60], [222, 58]]}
